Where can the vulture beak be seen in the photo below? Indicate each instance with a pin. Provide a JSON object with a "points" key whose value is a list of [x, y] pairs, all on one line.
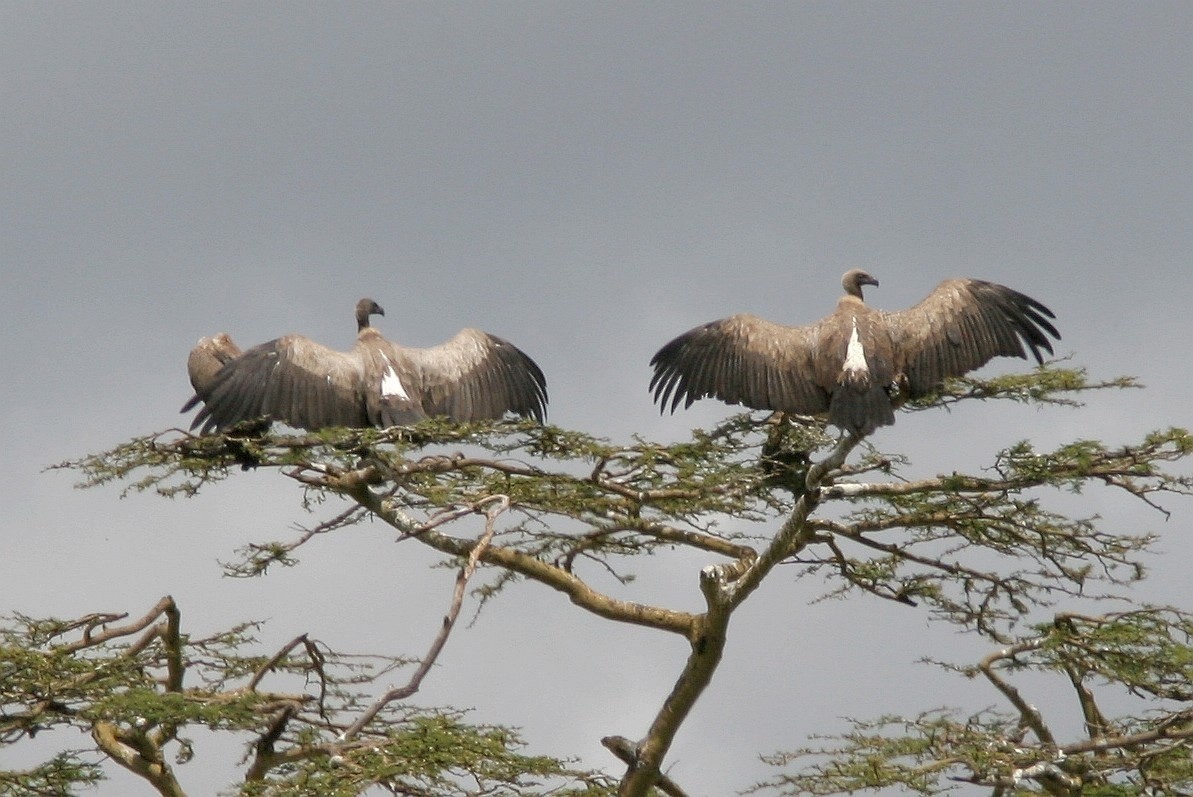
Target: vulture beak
{"points": [[868, 280]]}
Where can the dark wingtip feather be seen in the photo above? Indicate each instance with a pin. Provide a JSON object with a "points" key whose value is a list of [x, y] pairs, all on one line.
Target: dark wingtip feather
{"points": [[200, 416], [668, 383], [1031, 319]]}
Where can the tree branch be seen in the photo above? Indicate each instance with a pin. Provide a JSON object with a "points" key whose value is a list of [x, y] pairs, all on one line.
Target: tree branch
{"points": [[725, 587], [272, 662], [524, 564], [623, 748], [1177, 727], [1028, 714], [90, 640], [496, 505], [134, 755], [742, 578]]}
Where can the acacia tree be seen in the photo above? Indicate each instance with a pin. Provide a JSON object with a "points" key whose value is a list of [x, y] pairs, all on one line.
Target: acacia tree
{"points": [[519, 501]]}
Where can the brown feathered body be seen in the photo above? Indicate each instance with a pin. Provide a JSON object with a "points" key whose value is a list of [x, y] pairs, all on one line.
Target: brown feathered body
{"points": [[205, 361], [473, 376], [856, 365]]}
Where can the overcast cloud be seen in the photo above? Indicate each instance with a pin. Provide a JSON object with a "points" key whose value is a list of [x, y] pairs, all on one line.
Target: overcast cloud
{"points": [[586, 180]]}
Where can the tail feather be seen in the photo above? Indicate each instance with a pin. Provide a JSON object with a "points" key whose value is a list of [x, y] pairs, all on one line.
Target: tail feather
{"points": [[860, 411]]}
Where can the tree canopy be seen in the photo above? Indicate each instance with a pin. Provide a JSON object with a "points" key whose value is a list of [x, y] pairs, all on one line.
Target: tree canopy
{"points": [[987, 552]]}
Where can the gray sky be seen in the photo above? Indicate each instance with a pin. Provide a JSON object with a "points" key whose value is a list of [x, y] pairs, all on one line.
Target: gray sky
{"points": [[587, 180]]}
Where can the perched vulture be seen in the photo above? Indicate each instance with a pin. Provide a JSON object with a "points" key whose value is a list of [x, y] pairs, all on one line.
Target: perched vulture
{"points": [[473, 376], [857, 364]]}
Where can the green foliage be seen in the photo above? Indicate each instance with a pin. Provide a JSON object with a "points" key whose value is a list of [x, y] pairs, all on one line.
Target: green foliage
{"points": [[1046, 385], [589, 499], [119, 684], [431, 754], [984, 551], [61, 775], [1146, 652]]}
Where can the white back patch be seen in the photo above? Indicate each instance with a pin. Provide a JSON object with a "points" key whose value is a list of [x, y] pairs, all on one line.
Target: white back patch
{"points": [[855, 356], [391, 385]]}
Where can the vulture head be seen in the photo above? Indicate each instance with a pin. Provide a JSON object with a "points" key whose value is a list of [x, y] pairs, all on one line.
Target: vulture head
{"points": [[365, 308], [854, 279]]}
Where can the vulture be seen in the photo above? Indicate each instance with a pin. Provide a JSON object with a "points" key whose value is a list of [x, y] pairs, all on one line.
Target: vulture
{"points": [[857, 364], [473, 376]]}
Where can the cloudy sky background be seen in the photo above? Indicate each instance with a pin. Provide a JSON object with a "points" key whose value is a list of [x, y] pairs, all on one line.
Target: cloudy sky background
{"points": [[586, 180]]}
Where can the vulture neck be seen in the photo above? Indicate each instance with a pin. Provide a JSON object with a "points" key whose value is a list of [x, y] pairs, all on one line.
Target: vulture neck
{"points": [[367, 333], [851, 304]]}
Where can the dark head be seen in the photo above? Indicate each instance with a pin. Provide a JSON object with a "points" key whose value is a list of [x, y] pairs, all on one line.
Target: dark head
{"points": [[854, 279], [364, 309]]}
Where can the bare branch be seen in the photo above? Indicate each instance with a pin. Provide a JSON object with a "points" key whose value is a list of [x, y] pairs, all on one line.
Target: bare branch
{"points": [[92, 640], [495, 506], [1029, 715], [272, 662]]}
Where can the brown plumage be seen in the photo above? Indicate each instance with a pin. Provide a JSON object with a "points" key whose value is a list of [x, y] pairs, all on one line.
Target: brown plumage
{"points": [[207, 358], [857, 364], [472, 376]]}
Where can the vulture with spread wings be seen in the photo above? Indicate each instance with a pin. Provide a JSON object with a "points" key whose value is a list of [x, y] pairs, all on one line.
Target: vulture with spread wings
{"points": [[293, 380], [857, 364]]}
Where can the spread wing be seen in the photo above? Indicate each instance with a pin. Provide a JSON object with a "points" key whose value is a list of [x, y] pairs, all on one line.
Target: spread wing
{"points": [[478, 376], [962, 325], [293, 380], [205, 361], [744, 360]]}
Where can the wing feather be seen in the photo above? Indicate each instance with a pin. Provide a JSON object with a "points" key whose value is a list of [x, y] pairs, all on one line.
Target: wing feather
{"points": [[292, 380], [742, 359], [962, 325], [478, 376]]}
